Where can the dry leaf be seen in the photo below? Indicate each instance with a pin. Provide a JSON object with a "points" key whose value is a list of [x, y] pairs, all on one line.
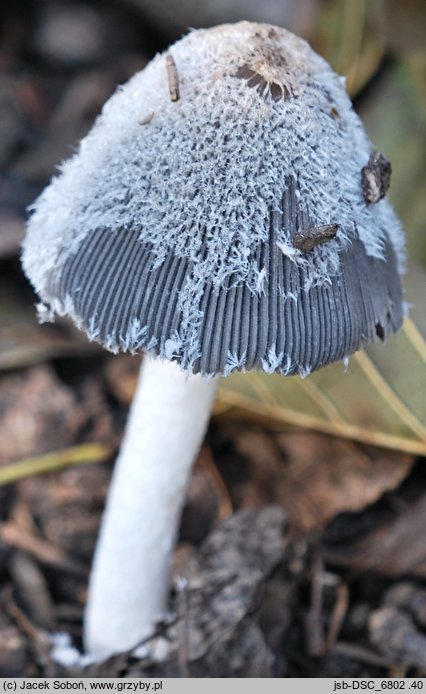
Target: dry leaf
{"points": [[396, 548], [315, 477]]}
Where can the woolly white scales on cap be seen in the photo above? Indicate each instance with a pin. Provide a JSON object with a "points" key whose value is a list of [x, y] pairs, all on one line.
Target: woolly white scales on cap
{"points": [[184, 199]]}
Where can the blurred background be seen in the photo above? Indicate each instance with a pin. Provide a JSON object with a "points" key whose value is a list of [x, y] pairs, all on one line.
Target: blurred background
{"points": [[340, 602]]}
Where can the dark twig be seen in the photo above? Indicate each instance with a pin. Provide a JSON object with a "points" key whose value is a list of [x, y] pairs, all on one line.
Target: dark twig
{"points": [[173, 77]]}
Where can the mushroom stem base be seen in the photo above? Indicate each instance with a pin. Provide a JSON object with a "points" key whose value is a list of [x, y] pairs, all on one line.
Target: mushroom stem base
{"points": [[129, 580]]}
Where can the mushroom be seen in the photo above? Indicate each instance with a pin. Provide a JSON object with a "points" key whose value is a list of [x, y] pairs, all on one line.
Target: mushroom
{"points": [[214, 218]]}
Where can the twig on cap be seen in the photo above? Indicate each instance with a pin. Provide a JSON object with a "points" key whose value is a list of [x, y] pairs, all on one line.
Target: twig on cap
{"points": [[173, 77], [375, 177], [307, 239]]}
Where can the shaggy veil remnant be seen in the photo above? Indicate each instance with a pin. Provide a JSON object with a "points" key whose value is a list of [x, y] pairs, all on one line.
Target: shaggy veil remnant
{"points": [[197, 179]]}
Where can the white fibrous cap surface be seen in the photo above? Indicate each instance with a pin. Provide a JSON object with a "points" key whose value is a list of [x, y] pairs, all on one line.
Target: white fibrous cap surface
{"points": [[198, 176]]}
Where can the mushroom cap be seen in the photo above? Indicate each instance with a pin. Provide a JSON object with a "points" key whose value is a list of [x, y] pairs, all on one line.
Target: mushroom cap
{"points": [[174, 227]]}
